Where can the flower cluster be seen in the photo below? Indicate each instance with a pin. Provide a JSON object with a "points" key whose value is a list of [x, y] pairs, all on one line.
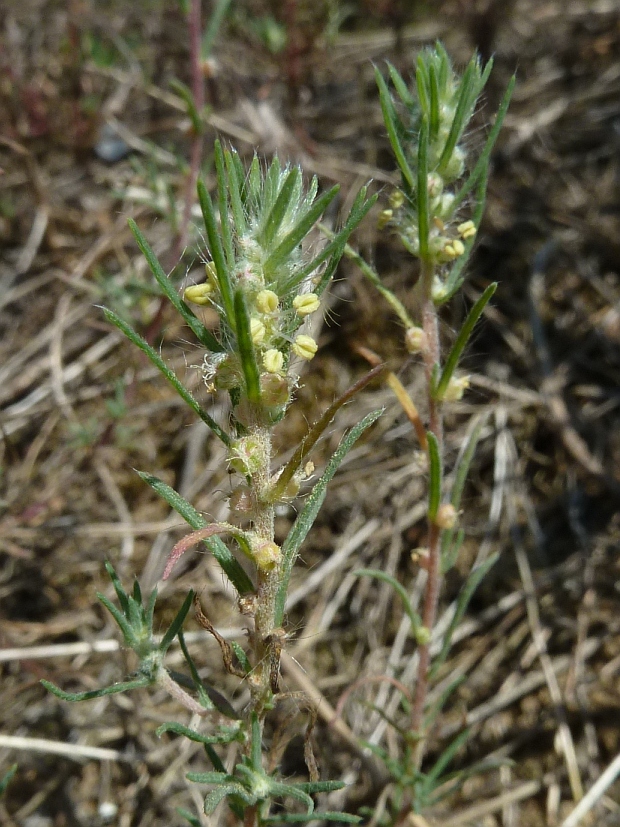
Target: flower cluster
{"points": [[427, 137], [262, 281]]}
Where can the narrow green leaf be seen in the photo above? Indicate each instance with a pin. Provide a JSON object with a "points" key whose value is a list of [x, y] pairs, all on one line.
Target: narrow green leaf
{"points": [[235, 180], [220, 793], [400, 590], [450, 547], [294, 238], [253, 183], [6, 778], [401, 87], [213, 28], [455, 278], [336, 247], [203, 695], [241, 656], [159, 363], [422, 84], [460, 115], [223, 737], [177, 623], [271, 184], [203, 335], [246, 348], [256, 747], [435, 475], [312, 787], [434, 102], [150, 610], [444, 760], [121, 594], [324, 815], [136, 615], [137, 592], [482, 164], [434, 711], [390, 121], [208, 777], [316, 431], [281, 205], [464, 461], [215, 759], [96, 693], [185, 93], [445, 64], [353, 221], [222, 554], [278, 789], [486, 73], [422, 193], [307, 516], [467, 592], [128, 633], [217, 253], [461, 340], [189, 817], [223, 188]]}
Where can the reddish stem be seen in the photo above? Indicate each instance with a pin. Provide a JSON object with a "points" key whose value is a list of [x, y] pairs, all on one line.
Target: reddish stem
{"points": [[432, 355]]}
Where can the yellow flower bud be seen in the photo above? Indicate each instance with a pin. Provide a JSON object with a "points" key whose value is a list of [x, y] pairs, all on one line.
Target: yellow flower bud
{"points": [[446, 516], [452, 249], [273, 361], [306, 304], [423, 635], [199, 294], [267, 301], [385, 216], [397, 199], [305, 347], [415, 339], [466, 230], [266, 555], [456, 388], [257, 331]]}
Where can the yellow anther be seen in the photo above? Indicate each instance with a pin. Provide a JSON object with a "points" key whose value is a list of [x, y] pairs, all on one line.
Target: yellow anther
{"points": [[397, 199], [305, 347], [306, 304], [456, 388], [257, 331], [273, 361], [385, 216], [267, 301], [199, 294], [466, 230]]}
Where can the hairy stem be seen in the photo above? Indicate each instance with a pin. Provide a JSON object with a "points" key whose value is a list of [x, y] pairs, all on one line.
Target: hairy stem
{"points": [[268, 580], [432, 355]]}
